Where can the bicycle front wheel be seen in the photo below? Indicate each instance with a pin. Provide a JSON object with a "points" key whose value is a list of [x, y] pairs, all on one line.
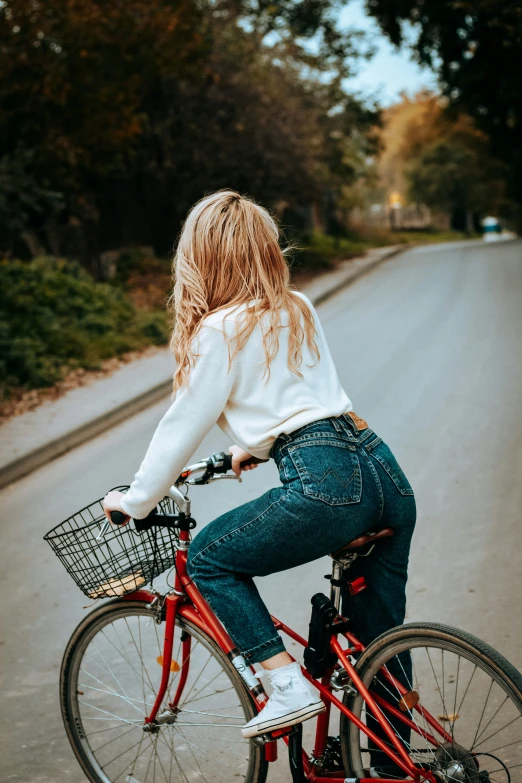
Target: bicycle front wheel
{"points": [[109, 679], [463, 701]]}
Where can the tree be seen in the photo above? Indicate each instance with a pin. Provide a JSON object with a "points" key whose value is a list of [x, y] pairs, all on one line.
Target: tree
{"points": [[440, 160], [476, 47], [130, 111], [450, 176], [77, 81]]}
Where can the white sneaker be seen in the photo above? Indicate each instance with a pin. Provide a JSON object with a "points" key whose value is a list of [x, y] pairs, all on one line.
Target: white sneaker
{"points": [[291, 702]]}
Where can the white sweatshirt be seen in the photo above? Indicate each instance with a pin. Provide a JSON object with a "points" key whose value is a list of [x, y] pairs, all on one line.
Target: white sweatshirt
{"points": [[250, 410]]}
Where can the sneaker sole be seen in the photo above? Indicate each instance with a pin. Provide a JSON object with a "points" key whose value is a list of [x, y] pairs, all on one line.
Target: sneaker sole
{"points": [[285, 720]]}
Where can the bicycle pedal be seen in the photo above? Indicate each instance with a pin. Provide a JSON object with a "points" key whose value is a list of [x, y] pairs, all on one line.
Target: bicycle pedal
{"points": [[273, 736], [286, 732]]}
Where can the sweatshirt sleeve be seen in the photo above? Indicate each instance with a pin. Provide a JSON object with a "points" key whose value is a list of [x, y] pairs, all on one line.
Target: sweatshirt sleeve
{"points": [[196, 408]]}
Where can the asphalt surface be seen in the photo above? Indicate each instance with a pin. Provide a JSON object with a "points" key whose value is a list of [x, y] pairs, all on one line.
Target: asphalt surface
{"points": [[429, 348]]}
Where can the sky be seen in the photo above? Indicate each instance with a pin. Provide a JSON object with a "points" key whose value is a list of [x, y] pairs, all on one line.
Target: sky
{"points": [[390, 71]]}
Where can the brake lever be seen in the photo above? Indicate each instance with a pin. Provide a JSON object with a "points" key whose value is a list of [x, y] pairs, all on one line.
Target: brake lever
{"points": [[220, 478], [103, 530]]}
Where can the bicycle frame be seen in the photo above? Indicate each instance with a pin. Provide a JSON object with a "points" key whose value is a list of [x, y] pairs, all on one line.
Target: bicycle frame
{"points": [[187, 602]]}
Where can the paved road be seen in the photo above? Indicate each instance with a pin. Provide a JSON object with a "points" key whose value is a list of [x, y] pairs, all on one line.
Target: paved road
{"points": [[429, 347]]}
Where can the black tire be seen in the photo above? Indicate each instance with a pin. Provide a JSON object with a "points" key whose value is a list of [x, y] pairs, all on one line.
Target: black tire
{"points": [[466, 648], [254, 763]]}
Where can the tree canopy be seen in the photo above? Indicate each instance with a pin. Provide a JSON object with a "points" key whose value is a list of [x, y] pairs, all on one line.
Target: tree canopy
{"points": [[117, 116], [476, 48], [440, 160]]}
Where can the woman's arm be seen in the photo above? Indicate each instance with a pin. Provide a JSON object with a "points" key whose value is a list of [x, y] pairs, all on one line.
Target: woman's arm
{"points": [[195, 410]]}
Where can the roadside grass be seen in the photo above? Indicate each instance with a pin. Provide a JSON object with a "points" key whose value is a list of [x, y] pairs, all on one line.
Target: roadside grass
{"points": [[317, 252], [54, 318], [431, 237]]}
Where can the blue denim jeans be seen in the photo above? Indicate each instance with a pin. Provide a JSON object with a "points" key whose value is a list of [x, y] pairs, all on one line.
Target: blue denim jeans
{"points": [[337, 483]]}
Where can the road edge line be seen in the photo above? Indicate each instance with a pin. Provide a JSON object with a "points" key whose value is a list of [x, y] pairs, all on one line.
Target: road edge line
{"points": [[35, 459], [349, 279]]}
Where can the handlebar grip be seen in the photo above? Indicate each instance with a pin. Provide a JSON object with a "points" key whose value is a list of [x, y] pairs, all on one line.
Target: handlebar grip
{"points": [[118, 518], [227, 462], [252, 461]]}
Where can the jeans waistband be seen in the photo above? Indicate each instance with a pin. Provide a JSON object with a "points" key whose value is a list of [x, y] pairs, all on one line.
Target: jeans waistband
{"points": [[349, 424]]}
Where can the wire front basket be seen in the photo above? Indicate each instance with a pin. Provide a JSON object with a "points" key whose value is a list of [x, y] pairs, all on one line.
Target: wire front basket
{"points": [[105, 560]]}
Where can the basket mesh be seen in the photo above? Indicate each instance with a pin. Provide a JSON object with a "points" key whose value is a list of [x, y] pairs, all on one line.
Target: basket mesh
{"points": [[121, 561]]}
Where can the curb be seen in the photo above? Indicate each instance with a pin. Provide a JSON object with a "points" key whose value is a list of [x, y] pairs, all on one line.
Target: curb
{"points": [[347, 281], [29, 462]]}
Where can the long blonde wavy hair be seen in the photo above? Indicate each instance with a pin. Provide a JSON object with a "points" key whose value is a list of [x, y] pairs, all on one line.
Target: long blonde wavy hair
{"points": [[229, 254]]}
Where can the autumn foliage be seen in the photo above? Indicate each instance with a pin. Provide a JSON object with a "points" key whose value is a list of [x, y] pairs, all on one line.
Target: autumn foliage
{"points": [[117, 116]]}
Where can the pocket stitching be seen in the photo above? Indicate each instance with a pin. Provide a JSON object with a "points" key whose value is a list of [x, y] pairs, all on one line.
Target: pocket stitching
{"points": [[322, 440], [373, 443], [330, 500], [390, 471]]}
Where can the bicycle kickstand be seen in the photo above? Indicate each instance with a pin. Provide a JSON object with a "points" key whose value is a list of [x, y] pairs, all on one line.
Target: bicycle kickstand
{"points": [[295, 754]]}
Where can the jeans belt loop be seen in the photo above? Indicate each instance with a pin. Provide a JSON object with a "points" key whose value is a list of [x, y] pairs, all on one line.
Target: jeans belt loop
{"points": [[336, 423], [282, 439]]}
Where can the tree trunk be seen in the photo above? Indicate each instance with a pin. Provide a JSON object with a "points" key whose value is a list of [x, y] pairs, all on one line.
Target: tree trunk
{"points": [[33, 243], [469, 222]]}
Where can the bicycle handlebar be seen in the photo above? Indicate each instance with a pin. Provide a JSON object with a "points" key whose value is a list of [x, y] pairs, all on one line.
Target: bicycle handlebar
{"points": [[118, 518], [216, 463]]}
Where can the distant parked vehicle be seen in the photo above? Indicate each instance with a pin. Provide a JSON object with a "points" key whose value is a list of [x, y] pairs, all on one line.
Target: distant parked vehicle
{"points": [[494, 231], [491, 229]]}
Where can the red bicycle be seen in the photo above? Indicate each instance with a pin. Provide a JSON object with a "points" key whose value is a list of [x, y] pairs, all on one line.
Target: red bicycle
{"points": [[152, 688]]}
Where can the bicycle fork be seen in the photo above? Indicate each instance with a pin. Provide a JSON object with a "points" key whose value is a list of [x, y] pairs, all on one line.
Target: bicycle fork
{"points": [[203, 616], [171, 604]]}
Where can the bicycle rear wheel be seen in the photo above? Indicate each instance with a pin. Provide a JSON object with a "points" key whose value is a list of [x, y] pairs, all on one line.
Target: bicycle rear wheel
{"points": [[110, 674], [470, 690]]}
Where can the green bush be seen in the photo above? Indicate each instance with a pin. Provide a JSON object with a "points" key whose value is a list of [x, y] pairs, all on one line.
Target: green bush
{"points": [[318, 251], [54, 317], [139, 260]]}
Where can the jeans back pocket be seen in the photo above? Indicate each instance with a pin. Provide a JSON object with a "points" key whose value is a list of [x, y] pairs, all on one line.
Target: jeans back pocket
{"points": [[384, 455], [329, 470]]}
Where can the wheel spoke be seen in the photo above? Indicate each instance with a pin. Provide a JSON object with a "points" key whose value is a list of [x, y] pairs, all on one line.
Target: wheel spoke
{"points": [[437, 682], [497, 732], [113, 686], [144, 668], [213, 758], [455, 700], [93, 707], [110, 692], [212, 714], [482, 713], [197, 679], [449, 672], [100, 747], [490, 721], [139, 754], [131, 747], [198, 770]]}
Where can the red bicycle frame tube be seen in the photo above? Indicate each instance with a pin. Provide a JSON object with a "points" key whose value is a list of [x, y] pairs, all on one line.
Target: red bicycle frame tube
{"points": [[186, 645], [187, 602], [425, 714]]}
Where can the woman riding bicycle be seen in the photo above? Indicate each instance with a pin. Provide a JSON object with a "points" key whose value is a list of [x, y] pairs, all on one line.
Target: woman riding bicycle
{"points": [[252, 357]]}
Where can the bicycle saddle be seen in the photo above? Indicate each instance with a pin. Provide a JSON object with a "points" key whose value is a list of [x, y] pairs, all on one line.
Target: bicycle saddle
{"points": [[371, 537]]}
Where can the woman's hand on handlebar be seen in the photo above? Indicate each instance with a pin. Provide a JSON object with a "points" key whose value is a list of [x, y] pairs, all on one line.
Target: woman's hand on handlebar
{"points": [[239, 456], [112, 502]]}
